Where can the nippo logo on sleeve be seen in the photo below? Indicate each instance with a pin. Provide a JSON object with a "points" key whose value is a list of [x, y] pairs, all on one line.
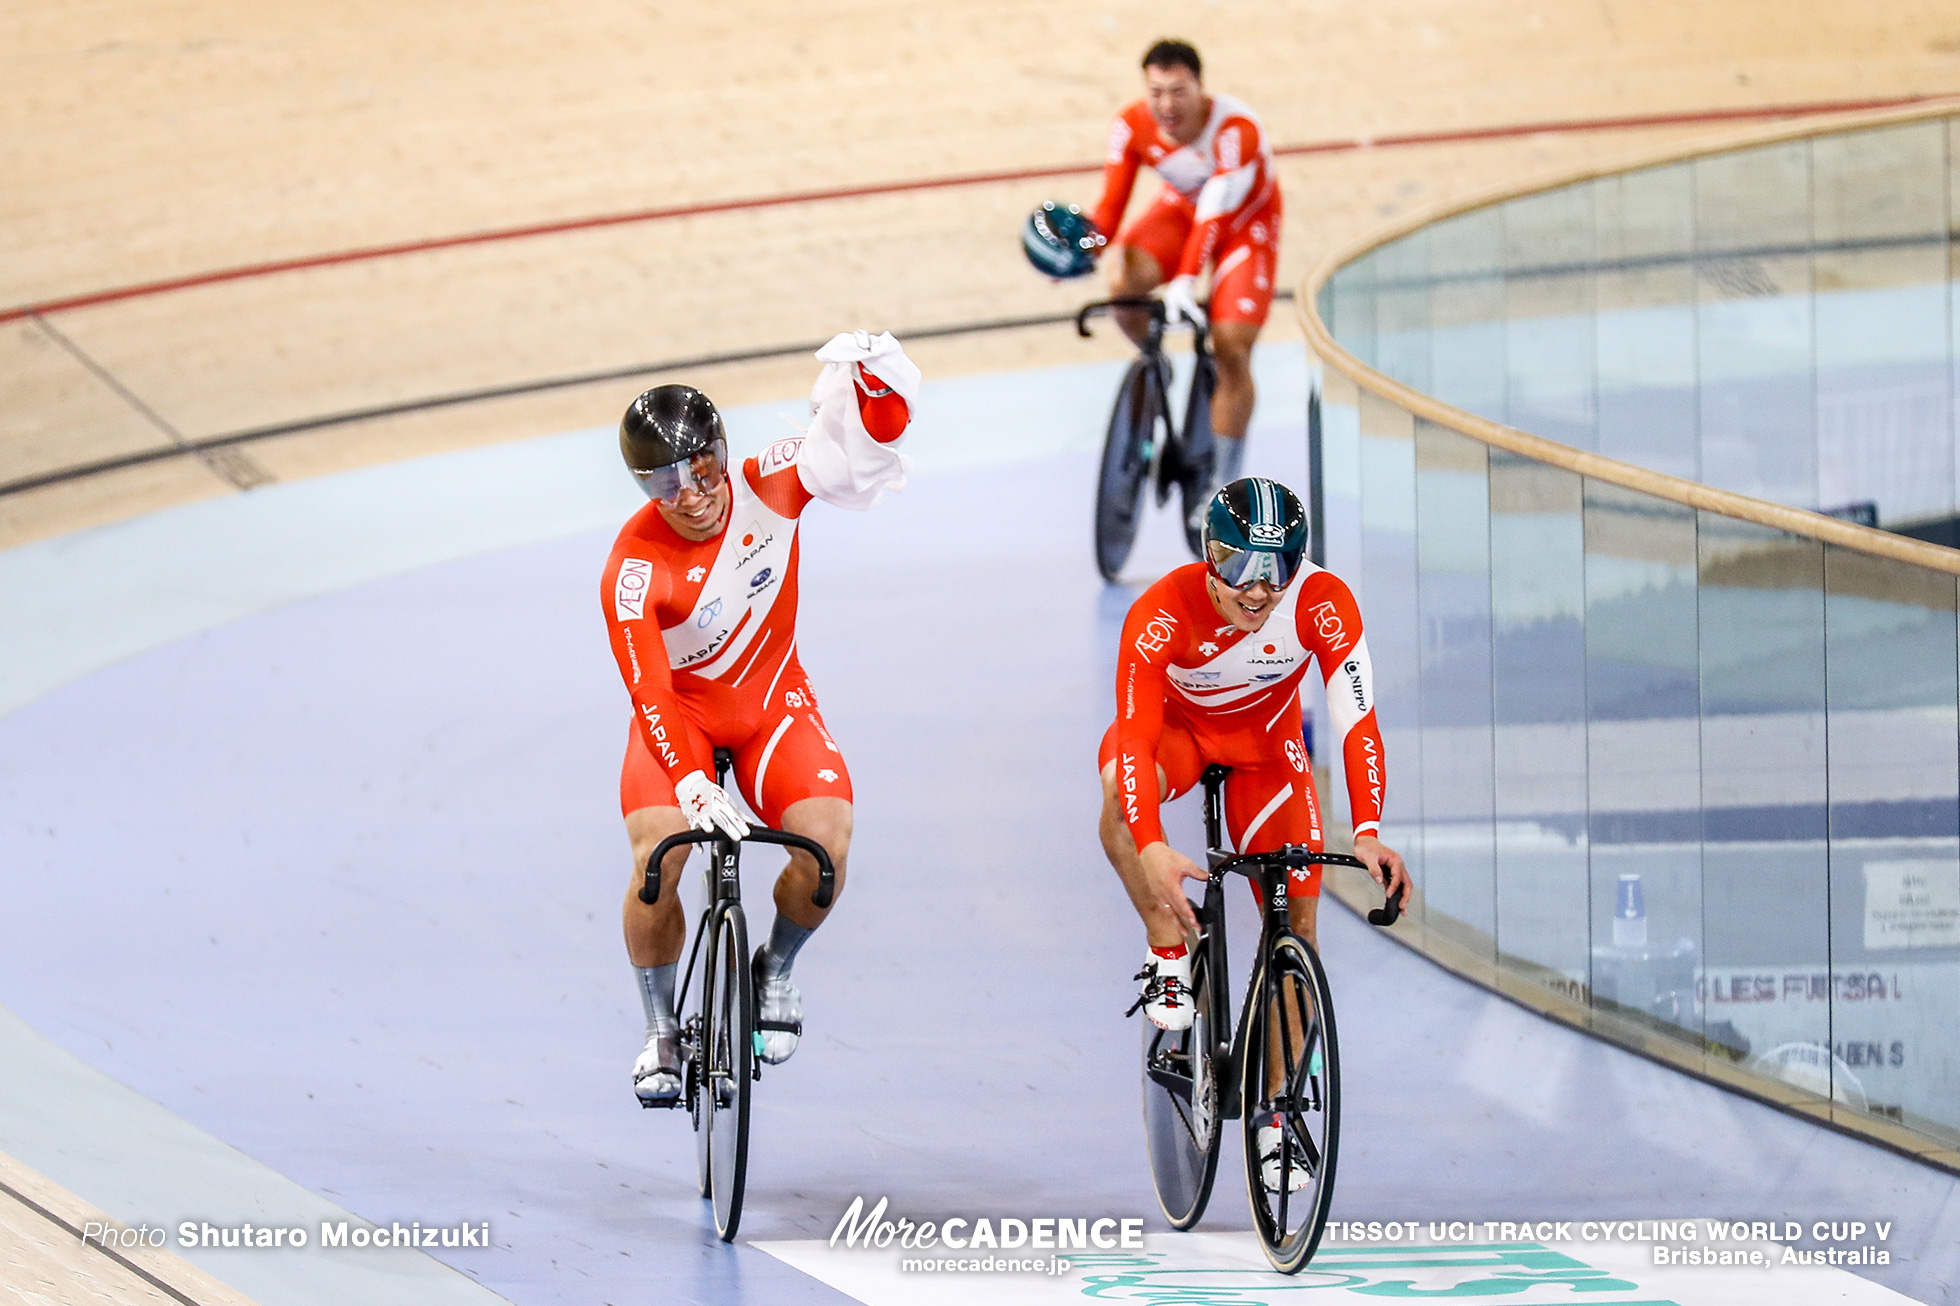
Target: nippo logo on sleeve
{"points": [[630, 589]]}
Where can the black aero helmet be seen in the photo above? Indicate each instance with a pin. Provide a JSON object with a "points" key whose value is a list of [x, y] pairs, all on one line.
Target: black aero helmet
{"points": [[1255, 529], [672, 439]]}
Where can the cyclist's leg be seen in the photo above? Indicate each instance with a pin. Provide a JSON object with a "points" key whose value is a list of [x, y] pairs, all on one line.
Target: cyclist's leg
{"points": [[794, 778], [1266, 808], [1178, 768], [1241, 297], [1272, 805], [1144, 256], [654, 934]]}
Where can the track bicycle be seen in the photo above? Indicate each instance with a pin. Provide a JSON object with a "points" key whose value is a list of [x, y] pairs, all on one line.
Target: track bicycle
{"points": [[1282, 1059], [721, 1038], [1145, 446]]}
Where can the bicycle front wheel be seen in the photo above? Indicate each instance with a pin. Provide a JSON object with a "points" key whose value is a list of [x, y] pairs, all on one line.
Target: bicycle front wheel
{"points": [[1125, 467], [728, 1071], [1180, 1105], [1293, 1079]]}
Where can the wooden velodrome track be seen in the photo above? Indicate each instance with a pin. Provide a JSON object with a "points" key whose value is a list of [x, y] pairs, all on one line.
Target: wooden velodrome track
{"points": [[153, 144], [149, 144]]}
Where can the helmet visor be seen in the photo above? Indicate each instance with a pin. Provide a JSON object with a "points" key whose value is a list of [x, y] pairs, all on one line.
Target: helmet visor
{"points": [[1239, 568], [704, 473]]}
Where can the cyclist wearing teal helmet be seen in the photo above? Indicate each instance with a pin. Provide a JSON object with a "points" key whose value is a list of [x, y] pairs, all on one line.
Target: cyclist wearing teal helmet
{"points": [[1255, 529], [1209, 670]]}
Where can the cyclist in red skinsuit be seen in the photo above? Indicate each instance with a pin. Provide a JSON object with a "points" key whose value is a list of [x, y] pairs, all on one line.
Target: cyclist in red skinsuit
{"points": [[700, 600], [1209, 672], [1219, 206]]}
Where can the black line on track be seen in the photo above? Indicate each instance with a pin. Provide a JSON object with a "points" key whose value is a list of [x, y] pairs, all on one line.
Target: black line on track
{"points": [[222, 442], [107, 1251], [235, 468]]}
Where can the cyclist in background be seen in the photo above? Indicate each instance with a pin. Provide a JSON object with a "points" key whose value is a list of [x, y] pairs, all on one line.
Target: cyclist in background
{"points": [[1219, 206], [700, 602]]}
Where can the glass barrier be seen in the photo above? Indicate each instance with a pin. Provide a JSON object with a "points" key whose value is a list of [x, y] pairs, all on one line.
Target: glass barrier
{"points": [[1777, 321], [1687, 775]]}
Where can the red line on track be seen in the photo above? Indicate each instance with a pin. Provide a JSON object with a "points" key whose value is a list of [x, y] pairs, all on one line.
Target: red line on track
{"points": [[146, 289]]}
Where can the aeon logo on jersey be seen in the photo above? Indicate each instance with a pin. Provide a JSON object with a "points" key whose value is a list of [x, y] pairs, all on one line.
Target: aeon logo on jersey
{"points": [[630, 589], [706, 615], [1327, 621], [1156, 634], [779, 455], [751, 552]]}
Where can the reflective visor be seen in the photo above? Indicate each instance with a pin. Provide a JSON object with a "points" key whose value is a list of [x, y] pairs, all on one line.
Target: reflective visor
{"points": [[703, 473], [1239, 568]]}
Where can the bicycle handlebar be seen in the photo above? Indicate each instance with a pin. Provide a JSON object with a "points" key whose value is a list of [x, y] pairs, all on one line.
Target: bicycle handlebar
{"points": [[1154, 306], [826, 873], [1295, 857]]}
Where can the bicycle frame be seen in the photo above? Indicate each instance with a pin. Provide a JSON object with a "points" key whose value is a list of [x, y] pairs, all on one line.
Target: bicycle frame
{"points": [[725, 880], [1197, 402], [1268, 872], [1190, 438]]}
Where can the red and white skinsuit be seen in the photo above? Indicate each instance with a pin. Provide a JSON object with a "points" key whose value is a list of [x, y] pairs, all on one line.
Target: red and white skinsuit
{"points": [[1220, 201], [1191, 689], [705, 632]]}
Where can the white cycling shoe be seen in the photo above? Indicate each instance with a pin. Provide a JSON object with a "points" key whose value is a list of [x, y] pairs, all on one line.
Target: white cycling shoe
{"points": [[1269, 1139], [779, 1014], [657, 1074], [1166, 996]]}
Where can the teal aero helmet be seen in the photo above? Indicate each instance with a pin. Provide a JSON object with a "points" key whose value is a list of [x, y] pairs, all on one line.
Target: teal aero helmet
{"points": [[1060, 241], [1255, 530]]}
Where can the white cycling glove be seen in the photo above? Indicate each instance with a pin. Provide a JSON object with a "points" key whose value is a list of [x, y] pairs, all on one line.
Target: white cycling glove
{"points": [[706, 805], [1181, 301]]}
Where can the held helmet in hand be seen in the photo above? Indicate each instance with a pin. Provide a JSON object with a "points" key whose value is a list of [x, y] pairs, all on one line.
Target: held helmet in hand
{"points": [[1255, 529], [673, 440], [1060, 241]]}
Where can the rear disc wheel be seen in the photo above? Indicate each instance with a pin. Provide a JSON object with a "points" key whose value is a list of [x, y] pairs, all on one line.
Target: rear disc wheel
{"points": [[1181, 1122]]}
